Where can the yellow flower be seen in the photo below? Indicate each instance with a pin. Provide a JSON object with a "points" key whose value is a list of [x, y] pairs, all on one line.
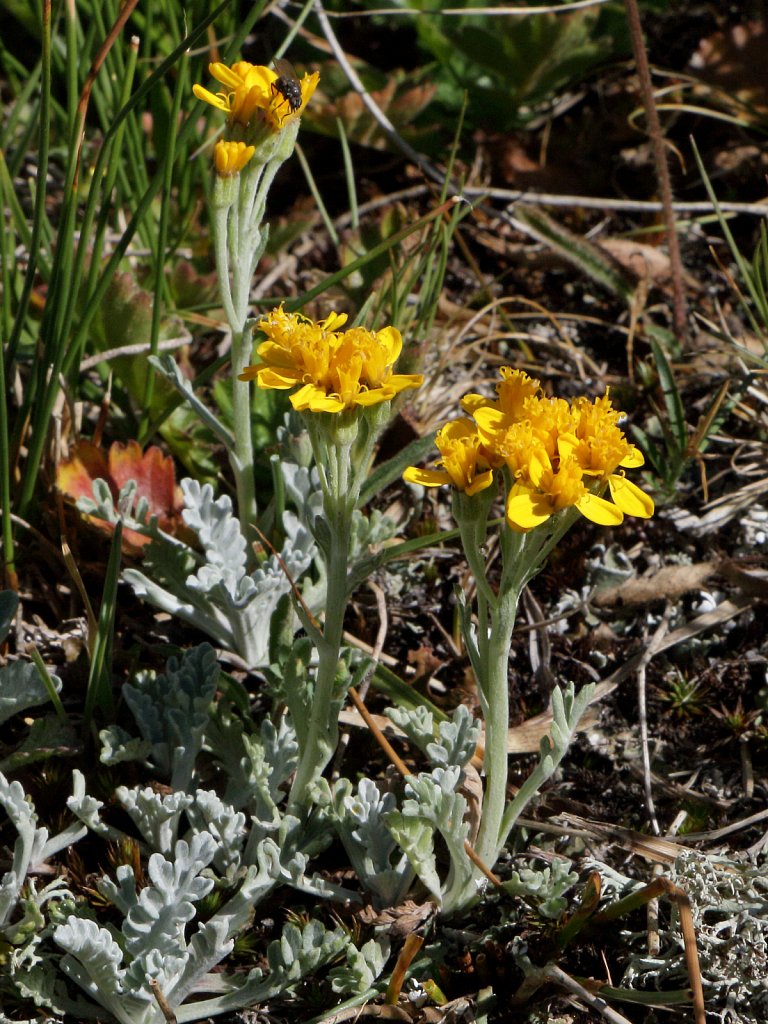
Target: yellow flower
{"points": [[254, 91], [463, 458], [546, 491], [514, 389], [229, 158], [600, 447], [335, 370]]}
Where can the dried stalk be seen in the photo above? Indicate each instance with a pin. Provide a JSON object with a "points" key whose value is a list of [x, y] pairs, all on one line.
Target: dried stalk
{"points": [[679, 307]]}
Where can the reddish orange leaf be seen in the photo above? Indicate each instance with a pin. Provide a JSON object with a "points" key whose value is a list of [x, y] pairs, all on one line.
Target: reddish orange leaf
{"points": [[153, 472]]}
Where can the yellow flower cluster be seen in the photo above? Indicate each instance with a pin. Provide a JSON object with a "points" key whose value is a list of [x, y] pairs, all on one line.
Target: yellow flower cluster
{"points": [[256, 94], [559, 455], [334, 370]]}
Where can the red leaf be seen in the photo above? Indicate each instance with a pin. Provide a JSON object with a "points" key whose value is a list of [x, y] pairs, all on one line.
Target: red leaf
{"points": [[153, 472]]}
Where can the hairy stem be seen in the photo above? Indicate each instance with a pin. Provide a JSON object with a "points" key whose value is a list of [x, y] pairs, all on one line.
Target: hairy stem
{"points": [[679, 313]]}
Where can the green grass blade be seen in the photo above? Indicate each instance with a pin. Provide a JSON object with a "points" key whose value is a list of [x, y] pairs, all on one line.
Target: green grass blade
{"points": [[673, 402], [99, 692], [45, 677], [162, 239], [393, 468], [583, 254]]}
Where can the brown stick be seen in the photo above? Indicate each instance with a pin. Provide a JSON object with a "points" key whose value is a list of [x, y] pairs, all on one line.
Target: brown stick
{"points": [[679, 310]]}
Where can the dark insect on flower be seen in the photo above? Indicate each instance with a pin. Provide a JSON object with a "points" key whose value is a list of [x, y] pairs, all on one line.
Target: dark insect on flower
{"points": [[287, 85]]}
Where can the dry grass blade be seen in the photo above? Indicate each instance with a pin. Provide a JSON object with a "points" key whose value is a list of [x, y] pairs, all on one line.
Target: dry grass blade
{"points": [[663, 887], [411, 947]]}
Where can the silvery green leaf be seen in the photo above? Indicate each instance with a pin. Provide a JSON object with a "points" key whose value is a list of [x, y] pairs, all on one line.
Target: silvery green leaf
{"points": [[26, 931], [370, 531], [297, 688], [208, 813], [180, 600], [546, 888], [86, 808], [417, 724], [303, 488], [172, 710], [361, 824], [293, 438], [299, 951], [158, 965], [567, 709], [94, 962], [218, 529], [128, 507], [256, 766], [292, 957], [362, 968], [432, 804], [469, 632], [28, 846], [416, 839], [458, 740], [234, 606], [260, 879], [21, 687], [166, 365], [165, 907], [101, 504], [295, 874], [156, 814], [118, 746], [124, 892], [44, 986], [281, 752], [210, 944]]}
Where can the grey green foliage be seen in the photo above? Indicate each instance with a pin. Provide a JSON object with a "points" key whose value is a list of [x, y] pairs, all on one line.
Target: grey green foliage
{"points": [[361, 823], [451, 742], [544, 888], [567, 709], [433, 805], [21, 687], [31, 848], [220, 594], [172, 711], [256, 764], [362, 967]]}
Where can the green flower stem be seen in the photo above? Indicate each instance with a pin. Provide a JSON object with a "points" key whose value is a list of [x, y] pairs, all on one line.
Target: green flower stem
{"points": [[342, 444], [340, 492], [497, 624], [242, 458], [523, 555], [238, 247]]}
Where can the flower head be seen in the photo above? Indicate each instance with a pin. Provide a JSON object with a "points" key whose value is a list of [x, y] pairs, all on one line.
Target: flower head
{"points": [[544, 491], [255, 93], [333, 370], [229, 158], [464, 461], [558, 455]]}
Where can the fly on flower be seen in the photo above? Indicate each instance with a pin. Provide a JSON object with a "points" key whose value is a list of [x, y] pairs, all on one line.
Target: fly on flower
{"points": [[287, 85]]}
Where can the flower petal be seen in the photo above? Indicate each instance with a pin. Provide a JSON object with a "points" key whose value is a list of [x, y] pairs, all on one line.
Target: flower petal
{"points": [[481, 481], [633, 459], [525, 510], [629, 497], [599, 510], [218, 100], [426, 477]]}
